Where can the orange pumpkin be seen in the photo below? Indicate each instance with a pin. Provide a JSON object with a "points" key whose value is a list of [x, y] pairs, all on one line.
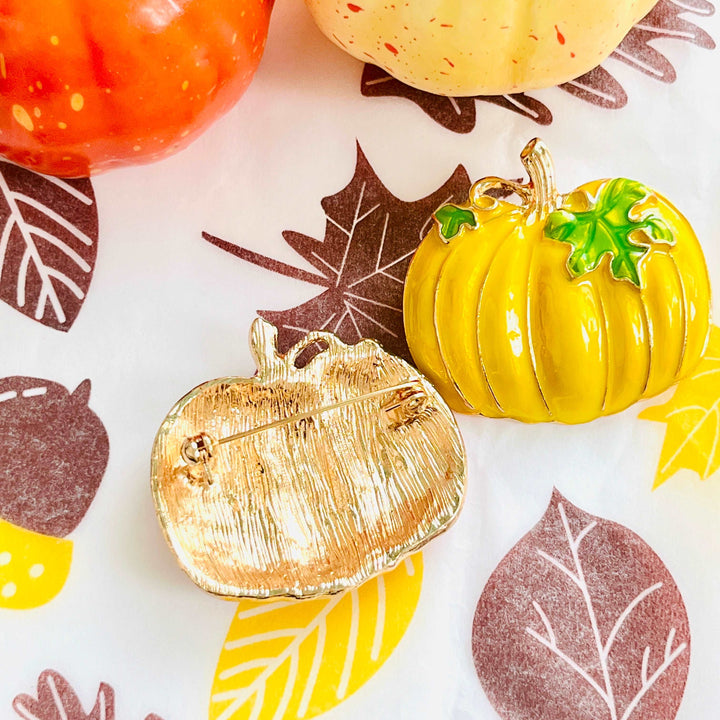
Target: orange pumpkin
{"points": [[89, 86]]}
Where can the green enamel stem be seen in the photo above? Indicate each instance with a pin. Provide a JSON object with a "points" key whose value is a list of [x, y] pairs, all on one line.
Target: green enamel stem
{"points": [[538, 162]]}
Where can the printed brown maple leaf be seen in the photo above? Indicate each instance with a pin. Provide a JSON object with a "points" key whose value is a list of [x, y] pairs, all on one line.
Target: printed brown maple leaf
{"points": [[581, 620], [598, 87], [663, 21], [370, 238], [456, 114], [56, 700], [48, 244]]}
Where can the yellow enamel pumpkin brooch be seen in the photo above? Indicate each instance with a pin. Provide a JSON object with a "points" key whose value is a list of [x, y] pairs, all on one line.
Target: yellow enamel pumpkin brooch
{"points": [[309, 480], [562, 307]]}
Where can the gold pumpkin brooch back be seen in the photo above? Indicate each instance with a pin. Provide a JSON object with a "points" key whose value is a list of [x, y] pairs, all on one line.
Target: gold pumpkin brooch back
{"points": [[309, 480], [563, 307]]}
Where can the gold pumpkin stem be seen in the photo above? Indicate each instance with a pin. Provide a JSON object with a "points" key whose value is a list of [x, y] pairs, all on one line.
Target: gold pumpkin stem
{"points": [[538, 162], [481, 198]]}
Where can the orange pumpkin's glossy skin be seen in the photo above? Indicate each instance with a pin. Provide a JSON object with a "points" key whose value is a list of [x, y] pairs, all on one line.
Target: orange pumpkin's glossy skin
{"points": [[88, 86]]}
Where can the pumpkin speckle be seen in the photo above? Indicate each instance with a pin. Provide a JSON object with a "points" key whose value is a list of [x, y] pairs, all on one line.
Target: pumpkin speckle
{"points": [[449, 62], [185, 85], [391, 48], [3, 69], [22, 118], [54, 40], [77, 101], [62, 125], [38, 85], [354, 8], [136, 148], [533, 37], [36, 112], [560, 36]]}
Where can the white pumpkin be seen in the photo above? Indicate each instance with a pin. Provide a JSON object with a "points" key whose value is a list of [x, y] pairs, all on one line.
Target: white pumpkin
{"points": [[479, 47]]}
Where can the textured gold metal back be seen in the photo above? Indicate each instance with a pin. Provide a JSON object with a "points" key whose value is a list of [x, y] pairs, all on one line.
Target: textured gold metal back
{"points": [[340, 469]]}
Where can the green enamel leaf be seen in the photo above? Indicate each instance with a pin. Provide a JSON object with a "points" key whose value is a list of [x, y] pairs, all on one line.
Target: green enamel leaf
{"points": [[611, 226], [451, 218]]}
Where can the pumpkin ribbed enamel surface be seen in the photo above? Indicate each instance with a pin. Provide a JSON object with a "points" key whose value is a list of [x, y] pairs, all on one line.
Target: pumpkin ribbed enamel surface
{"points": [[480, 47], [496, 319]]}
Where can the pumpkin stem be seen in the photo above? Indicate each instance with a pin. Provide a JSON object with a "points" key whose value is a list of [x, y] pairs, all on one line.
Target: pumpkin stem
{"points": [[538, 162], [263, 344]]}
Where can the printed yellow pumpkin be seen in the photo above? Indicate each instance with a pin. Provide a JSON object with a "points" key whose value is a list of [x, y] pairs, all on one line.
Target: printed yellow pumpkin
{"points": [[480, 47], [560, 308]]}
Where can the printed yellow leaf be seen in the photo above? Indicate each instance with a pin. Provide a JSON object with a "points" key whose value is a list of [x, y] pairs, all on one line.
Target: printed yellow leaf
{"points": [[33, 567], [290, 659], [692, 438]]}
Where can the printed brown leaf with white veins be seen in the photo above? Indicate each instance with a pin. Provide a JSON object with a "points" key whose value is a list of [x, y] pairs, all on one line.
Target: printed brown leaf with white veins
{"points": [[361, 263], [52, 457], [581, 620], [48, 244]]}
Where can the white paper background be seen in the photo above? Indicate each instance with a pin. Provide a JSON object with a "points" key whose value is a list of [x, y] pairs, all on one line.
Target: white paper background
{"points": [[167, 310]]}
